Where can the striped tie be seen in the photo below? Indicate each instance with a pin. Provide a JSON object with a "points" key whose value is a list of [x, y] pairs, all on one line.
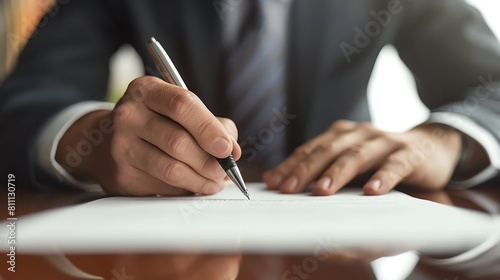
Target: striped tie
{"points": [[255, 88]]}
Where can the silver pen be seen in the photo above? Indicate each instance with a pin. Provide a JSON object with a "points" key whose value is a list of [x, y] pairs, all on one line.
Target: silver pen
{"points": [[170, 74]]}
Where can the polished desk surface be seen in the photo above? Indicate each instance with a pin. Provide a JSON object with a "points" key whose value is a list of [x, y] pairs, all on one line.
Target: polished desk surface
{"points": [[340, 265]]}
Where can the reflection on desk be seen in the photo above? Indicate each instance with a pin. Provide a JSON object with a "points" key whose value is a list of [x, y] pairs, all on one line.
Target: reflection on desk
{"points": [[478, 263]]}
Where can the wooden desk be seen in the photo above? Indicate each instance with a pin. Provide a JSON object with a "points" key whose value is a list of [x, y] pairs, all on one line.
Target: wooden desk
{"points": [[342, 265]]}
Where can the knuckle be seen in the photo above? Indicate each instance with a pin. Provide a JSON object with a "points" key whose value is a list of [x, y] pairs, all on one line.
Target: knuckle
{"points": [[136, 90], [303, 169], [330, 148], [282, 170], [121, 114], [358, 152], [208, 187], [178, 142], [174, 172], [392, 176], [209, 166], [366, 126], [302, 152], [342, 125], [335, 170], [398, 165], [396, 161], [206, 127], [137, 82], [180, 102]]}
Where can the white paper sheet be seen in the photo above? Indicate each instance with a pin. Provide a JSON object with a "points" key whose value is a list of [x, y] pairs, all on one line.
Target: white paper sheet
{"points": [[269, 223]]}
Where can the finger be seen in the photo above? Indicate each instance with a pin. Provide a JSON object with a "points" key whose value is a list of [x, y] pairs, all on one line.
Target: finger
{"points": [[175, 141], [343, 126], [131, 181], [308, 169], [185, 108], [338, 138], [156, 163], [354, 161], [273, 178], [143, 184], [233, 132], [391, 173]]}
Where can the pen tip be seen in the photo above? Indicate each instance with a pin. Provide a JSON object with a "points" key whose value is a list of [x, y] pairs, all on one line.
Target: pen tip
{"points": [[247, 195]]}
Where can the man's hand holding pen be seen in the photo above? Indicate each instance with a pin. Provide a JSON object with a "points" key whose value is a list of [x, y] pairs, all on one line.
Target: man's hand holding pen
{"points": [[164, 142]]}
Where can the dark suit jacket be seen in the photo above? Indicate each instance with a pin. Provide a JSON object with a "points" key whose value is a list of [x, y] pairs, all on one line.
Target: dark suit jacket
{"points": [[446, 44]]}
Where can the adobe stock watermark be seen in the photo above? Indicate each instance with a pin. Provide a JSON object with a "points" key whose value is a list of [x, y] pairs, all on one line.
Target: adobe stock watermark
{"points": [[326, 248], [31, 27], [484, 92], [363, 35], [423, 148], [192, 208], [92, 139], [12, 223], [256, 143]]}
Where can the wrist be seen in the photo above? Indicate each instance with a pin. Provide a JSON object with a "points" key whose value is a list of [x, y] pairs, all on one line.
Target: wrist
{"points": [[445, 137], [80, 149], [443, 145], [467, 155]]}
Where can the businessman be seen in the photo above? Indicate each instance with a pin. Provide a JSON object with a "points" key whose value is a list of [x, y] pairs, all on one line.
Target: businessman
{"points": [[290, 75]]}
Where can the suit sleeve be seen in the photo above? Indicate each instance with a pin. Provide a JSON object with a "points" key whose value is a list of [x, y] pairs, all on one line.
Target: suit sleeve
{"points": [[64, 62], [455, 59]]}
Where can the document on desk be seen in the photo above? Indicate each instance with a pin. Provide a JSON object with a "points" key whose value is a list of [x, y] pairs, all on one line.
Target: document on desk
{"points": [[270, 222]]}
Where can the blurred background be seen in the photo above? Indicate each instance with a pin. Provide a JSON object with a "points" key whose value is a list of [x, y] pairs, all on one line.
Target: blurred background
{"points": [[18, 19], [394, 103]]}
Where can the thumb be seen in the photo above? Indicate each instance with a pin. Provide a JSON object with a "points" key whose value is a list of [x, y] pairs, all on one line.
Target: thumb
{"points": [[233, 132]]}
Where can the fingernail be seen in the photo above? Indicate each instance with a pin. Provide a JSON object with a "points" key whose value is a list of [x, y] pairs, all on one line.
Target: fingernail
{"points": [[291, 184], [220, 146], [375, 185], [324, 183], [220, 174]]}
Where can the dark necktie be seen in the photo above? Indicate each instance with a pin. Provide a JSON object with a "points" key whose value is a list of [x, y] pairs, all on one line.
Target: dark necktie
{"points": [[255, 88]]}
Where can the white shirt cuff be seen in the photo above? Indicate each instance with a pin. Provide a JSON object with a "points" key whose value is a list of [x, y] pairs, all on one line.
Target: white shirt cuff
{"points": [[49, 138], [478, 133]]}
